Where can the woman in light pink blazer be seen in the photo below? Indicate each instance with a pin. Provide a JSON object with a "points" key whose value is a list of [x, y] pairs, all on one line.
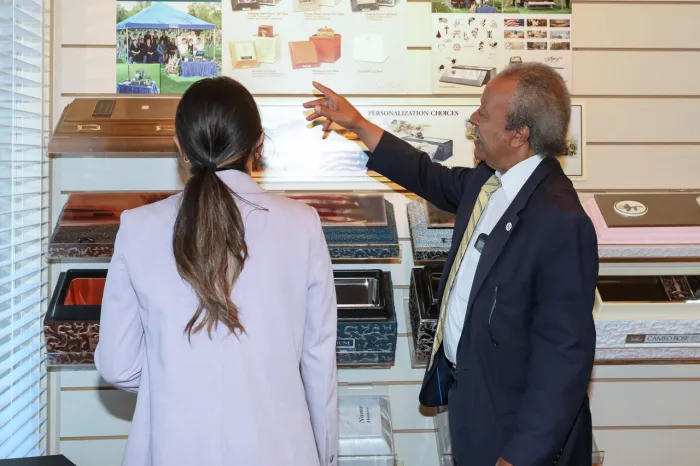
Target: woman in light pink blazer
{"points": [[220, 310]]}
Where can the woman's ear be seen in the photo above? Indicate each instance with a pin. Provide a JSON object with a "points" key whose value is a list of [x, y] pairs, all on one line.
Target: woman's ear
{"points": [[179, 149]]}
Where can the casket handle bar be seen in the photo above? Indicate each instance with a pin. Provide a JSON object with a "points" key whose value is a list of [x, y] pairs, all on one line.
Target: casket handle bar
{"points": [[165, 128], [89, 128]]}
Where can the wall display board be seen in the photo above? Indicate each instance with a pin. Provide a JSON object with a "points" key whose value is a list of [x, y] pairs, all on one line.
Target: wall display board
{"points": [[275, 46], [164, 47], [473, 41], [299, 150]]}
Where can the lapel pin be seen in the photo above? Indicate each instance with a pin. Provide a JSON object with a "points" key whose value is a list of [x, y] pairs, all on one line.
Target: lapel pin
{"points": [[509, 226]]}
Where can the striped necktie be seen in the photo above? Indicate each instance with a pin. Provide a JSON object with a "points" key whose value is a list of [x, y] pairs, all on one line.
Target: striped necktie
{"points": [[490, 187]]}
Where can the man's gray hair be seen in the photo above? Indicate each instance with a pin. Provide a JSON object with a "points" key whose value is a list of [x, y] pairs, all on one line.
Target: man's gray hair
{"points": [[543, 104]]}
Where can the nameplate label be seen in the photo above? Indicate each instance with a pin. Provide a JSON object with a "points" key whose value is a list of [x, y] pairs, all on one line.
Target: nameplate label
{"points": [[345, 344], [661, 339]]}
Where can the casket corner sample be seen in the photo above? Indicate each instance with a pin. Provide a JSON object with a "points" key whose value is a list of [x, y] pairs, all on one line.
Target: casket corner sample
{"points": [[431, 232], [71, 323], [88, 223], [647, 316], [366, 433], [422, 309], [116, 126], [650, 226], [357, 227], [367, 325]]}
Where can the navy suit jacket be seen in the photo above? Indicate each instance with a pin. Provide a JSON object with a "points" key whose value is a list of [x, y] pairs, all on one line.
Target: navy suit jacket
{"points": [[526, 352]]}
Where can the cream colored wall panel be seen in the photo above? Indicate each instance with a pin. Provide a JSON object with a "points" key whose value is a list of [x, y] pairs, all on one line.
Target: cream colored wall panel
{"points": [[81, 22], [645, 403], [416, 449], [87, 413], [600, 26], [643, 371], [400, 203], [636, 73], [94, 452], [419, 22], [642, 120], [86, 70], [81, 378], [669, 447], [641, 167]]}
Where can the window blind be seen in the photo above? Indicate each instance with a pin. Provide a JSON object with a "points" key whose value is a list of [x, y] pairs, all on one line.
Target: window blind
{"points": [[24, 113]]}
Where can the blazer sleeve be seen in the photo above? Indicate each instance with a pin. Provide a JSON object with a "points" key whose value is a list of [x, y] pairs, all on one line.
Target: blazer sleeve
{"points": [[318, 364], [412, 169], [120, 351], [563, 340]]}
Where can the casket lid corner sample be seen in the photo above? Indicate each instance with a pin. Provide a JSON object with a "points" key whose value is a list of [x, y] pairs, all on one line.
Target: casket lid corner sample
{"points": [[72, 321], [431, 232], [662, 226], [119, 125], [88, 223]]}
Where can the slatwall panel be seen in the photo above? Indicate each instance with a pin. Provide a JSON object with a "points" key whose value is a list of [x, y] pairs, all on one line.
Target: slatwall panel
{"points": [[636, 65]]}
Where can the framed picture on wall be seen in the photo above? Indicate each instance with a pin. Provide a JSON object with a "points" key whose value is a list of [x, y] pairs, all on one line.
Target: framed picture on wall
{"points": [[164, 47]]}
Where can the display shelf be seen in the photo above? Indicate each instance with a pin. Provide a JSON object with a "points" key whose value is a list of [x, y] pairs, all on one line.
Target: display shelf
{"points": [[367, 324], [88, 224]]}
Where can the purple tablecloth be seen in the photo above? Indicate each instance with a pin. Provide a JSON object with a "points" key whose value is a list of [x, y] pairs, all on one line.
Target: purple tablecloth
{"points": [[201, 69], [131, 89]]}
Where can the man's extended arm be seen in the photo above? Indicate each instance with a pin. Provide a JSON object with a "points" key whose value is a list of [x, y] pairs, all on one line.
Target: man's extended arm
{"points": [[413, 170]]}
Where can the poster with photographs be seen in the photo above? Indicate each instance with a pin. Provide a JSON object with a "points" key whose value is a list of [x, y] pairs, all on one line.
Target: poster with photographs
{"points": [[296, 149], [164, 47], [474, 40], [281, 46]]}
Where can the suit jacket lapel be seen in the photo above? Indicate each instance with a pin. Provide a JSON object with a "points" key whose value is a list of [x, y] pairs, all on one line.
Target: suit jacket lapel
{"points": [[481, 174], [506, 226]]}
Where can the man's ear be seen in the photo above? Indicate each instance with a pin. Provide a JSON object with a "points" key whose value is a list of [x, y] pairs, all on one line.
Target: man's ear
{"points": [[520, 137]]}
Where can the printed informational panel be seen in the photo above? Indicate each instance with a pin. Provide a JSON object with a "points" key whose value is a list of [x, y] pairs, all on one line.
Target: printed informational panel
{"points": [[281, 46], [164, 47], [473, 41], [299, 150]]}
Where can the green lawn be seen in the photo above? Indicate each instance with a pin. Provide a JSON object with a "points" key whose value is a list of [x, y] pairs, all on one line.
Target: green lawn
{"points": [[166, 83]]}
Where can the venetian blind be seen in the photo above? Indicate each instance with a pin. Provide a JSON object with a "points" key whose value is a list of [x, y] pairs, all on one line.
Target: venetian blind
{"points": [[24, 111]]}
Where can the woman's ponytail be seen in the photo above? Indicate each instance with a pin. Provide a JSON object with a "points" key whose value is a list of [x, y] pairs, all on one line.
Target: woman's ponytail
{"points": [[210, 249]]}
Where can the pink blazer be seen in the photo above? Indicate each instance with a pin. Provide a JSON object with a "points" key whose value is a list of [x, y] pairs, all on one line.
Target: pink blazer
{"points": [[268, 399]]}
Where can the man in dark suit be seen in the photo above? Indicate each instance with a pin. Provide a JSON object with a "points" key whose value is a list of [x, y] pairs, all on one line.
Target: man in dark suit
{"points": [[515, 343]]}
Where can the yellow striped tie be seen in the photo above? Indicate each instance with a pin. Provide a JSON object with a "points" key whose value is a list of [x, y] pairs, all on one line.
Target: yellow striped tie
{"points": [[490, 187]]}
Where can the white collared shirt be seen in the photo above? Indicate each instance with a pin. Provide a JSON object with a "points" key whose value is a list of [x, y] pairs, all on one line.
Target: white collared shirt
{"points": [[511, 182]]}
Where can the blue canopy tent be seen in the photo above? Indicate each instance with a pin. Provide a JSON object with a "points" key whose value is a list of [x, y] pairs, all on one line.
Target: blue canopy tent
{"points": [[161, 16]]}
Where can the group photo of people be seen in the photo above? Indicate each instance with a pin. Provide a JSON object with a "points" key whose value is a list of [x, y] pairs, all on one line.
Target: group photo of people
{"points": [[164, 47]]}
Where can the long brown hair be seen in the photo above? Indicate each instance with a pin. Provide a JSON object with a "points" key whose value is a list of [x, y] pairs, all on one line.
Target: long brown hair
{"points": [[218, 127]]}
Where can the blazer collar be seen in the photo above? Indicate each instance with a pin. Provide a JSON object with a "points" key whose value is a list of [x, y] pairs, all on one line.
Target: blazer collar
{"points": [[507, 224], [239, 182]]}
